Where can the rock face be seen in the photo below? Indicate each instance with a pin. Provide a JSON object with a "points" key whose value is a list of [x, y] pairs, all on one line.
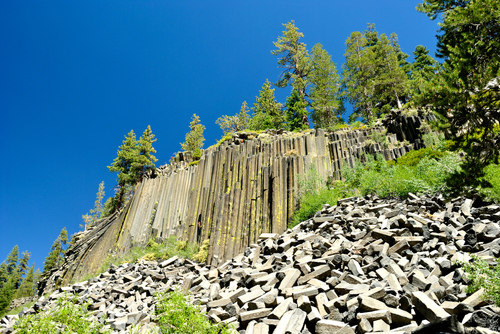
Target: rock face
{"points": [[366, 265], [237, 191]]}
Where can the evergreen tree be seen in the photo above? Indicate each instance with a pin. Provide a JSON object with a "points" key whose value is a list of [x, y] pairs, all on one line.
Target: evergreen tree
{"points": [[3, 274], [325, 92], [233, 124], [194, 138], [423, 74], [358, 73], [97, 212], [7, 293], [145, 159], [374, 72], [469, 99], [22, 267], [12, 262], [56, 255], [27, 287], [267, 113], [11, 273], [294, 58], [127, 154], [391, 79], [295, 112]]}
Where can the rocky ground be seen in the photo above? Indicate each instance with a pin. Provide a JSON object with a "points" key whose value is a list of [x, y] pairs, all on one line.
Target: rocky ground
{"points": [[366, 265]]}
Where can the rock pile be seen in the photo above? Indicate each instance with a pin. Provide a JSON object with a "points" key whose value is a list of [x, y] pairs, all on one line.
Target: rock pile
{"points": [[366, 265]]}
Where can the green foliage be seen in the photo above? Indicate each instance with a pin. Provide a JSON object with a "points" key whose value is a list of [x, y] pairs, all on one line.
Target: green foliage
{"points": [[391, 77], [492, 176], [7, 293], [380, 177], [65, 318], [295, 112], [153, 250], [110, 205], [380, 137], [294, 59], [312, 202], [468, 96], [423, 74], [15, 311], [56, 255], [313, 192], [414, 157], [309, 183], [226, 137], [373, 72], [122, 164], [233, 124], [176, 315], [194, 138], [97, 212], [267, 112], [28, 286], [134, 158], [325, 93], [12, 271], [145, 159], [202, 254], [483, 276]]}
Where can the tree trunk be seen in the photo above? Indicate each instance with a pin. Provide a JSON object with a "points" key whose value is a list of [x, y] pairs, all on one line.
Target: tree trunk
{"points": [[397, 100]]}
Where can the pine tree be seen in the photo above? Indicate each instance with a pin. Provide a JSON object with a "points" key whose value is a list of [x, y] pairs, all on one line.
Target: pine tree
{"points": [[56, 255], [391, 79], [127, 154], [469, 98], [294, 58], [295, 112], [11, 273], [233, 124], [145, 160], [3, 274], [97, 212], [27, 287], [267, 112], [374, 73], [9, 266], [7, 293], [22, 267], [358, 74], [325, 92], [12, 260], [194, 138], [423, 75]]}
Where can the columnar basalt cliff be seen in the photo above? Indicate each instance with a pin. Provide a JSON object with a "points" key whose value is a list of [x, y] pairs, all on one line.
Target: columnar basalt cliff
{"points": [[237, 191]]}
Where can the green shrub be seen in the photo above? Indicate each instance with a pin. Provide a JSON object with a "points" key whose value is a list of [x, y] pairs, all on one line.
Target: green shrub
{"points": [[153, 251], [482, 275], [493, 177], [175, 315], [309, 183], [202, 254], [312, 202], [383, 178], [66, 317], [412, 158]]}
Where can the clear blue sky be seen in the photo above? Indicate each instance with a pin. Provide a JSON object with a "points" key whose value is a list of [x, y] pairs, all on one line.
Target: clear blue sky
{"points": [[76, 76]]}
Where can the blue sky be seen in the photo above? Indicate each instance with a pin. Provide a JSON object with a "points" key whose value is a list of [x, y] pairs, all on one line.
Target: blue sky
{"points": [[76, 76]]}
